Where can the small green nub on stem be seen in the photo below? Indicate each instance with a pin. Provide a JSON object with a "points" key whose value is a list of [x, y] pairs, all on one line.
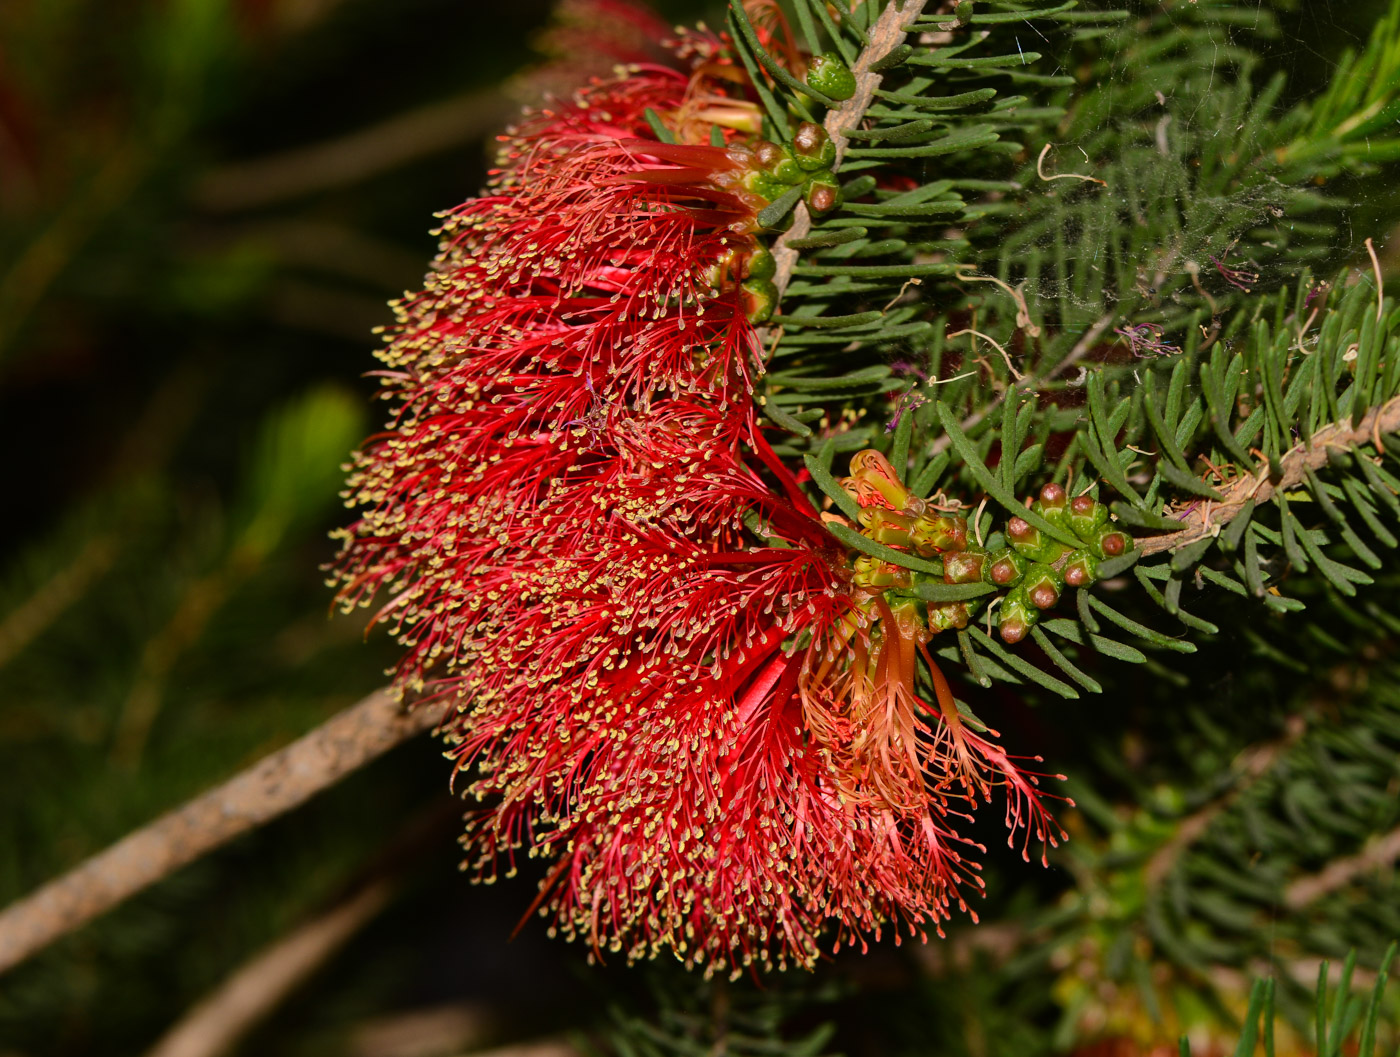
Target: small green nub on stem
{"points": [[830, 76]]}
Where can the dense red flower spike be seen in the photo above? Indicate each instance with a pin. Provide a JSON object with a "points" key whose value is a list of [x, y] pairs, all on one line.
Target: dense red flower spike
{"points": [[668, 683]]}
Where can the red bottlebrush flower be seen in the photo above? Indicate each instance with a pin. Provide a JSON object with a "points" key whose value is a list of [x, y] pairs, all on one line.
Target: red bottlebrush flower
{"points": [[671, 681]]}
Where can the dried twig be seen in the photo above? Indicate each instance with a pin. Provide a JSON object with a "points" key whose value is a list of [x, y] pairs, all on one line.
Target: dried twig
{"points": [[538, 1048], [887, 33], [271, 787], [1206, 520], [451, 1027], [1040, 171], [1015, 374], [1380, 280]]}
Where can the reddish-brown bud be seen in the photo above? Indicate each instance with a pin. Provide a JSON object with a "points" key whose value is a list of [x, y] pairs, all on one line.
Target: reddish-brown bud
{"points": [[1006, 567], [823, 199], [767, 153], [1113, 544], [813, 147], [1012, 631], [963, 567], [1003, 572], [1081, 569]]}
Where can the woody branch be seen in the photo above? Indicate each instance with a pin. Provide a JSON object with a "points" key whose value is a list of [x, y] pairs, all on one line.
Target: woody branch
{"points": [[887, 33], [1210, 516]]}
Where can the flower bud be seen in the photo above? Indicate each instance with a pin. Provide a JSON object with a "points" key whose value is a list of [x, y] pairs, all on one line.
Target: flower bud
{"points": [[907, 617], [760, 299], [764, 184], [1030, 542], [779, 163], [813, 147], [1052, 504], [876, 574], [963, 567], [1016, 616], [823, 193], [941, 533], [1081, 569], [1003, 568], [1042, 586], [886, 526], [767, 153], [1111, 542], [953, 615], [830, 76], [761, 264], [873, 470], [1086, 516]]}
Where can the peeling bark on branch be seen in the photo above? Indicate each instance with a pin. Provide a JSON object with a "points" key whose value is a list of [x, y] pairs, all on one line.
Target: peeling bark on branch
{"points": [[1211, 515], [271, 787], [887, 33]]}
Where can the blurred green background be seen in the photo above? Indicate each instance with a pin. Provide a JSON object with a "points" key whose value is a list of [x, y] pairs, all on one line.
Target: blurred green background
{"points": [[204, 206]]}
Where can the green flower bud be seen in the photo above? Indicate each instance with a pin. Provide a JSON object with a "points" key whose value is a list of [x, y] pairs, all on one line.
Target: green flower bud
{"points": [[963, 567], [1081, 569], [886, 526], [760, 299], [830, 76], [1042, 586], [761, 264], [787, 170], [953, 615], [1015, 616], [941, 533], [1110, 542], [1052, 504], [813, 147], [1086, 517], [779, 162], [767, 153], [764, 185], [876, 574], [1028, 540], [875, 479], [823, 193], [1003, 568]]}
